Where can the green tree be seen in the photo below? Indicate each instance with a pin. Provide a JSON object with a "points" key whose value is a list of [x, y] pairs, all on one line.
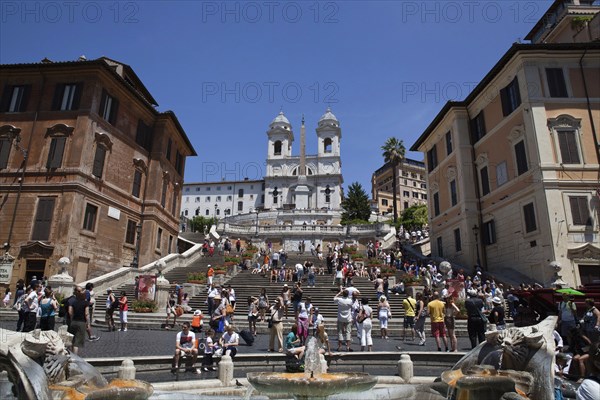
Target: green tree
{"points": [[200, 223], [393, 154], [414, 217], [356, 204]]}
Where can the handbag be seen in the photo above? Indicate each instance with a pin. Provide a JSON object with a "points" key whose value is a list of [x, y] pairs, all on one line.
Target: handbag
{"points": [[362, 315]]}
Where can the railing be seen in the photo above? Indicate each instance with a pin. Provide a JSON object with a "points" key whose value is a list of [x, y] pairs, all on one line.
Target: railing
{"points": [[127, 274], [327, 230]]}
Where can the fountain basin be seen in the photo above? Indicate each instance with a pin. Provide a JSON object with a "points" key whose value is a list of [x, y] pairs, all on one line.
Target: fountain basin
{"points": [[302, 386]]}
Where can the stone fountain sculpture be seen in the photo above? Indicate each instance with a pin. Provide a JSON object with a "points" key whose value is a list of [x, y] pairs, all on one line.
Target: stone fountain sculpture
{"points": [[523, 357], [314, 383], [40, 366]]}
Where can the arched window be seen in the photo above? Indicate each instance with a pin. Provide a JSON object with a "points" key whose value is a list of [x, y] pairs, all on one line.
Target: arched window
{"points": [[277, 148], [327, 145]]}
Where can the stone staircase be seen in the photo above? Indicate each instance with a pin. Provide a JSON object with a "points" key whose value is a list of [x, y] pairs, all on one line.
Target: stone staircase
{"points": [[247, 284]]}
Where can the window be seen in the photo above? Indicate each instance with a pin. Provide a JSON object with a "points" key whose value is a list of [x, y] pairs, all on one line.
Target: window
{"points": [[384, 202], [436, 204], [98, 166], [43, 218], [15, 98], [277, 148], [556, 82], [423, 186], [158, 237], [440, 247], [569, 151], [186, 213], [521, 156], [432, 159], [423, 196], [405, 193], [579, 210], [529, 215], [231, 187], [489, 232], [130, 233], [108, 108], [240, 206], [137, 183], [187, 189], [163, 196], [414, 184], [241, 193], [218, 188], [510, 97], [501, 174], [478, 127], [218, 198], [448, 142], [170, 243], [327, 144], [174, 204], [143, 135], [207, 199], [485, 182], [453, 194], [169, 145], [179, 162], [5, 145], [229, 198], [405, 205], [457, 242], [208, 188], [89, 217], [415, 195], [67, 96], [55, 155], [206, 212]]}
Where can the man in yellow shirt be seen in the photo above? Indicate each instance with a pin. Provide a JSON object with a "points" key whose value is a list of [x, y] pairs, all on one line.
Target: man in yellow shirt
{"points": [[436, 312], [410, 306]]}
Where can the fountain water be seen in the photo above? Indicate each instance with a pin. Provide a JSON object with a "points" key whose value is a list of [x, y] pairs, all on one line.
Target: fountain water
{"points": [[313, 383]]}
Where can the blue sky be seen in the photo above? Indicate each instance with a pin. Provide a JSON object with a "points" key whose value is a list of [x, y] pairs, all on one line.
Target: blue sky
{"points": [[227, 68]]}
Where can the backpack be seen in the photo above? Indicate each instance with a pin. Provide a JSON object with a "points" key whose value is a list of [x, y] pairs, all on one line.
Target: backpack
{"points": [[62, 309]]}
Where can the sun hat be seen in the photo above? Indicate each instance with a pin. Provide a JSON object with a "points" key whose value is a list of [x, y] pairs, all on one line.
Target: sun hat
{"points": [[108, 290], [197, 312], [472, 292], [496, 300]]}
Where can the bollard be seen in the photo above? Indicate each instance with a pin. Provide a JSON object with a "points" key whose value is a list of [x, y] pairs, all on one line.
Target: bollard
{"points": [[405, 368], [226, 370], [126, 370]]}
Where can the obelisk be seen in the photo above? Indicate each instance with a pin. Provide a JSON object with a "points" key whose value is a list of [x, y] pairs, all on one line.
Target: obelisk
{"points": [[302, 191]]}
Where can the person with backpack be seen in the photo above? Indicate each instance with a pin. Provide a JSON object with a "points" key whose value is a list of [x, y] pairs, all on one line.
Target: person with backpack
{"points": [[111, 305]]}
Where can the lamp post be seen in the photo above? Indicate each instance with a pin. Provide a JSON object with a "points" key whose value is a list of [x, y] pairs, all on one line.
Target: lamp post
{"points": [[136, 256], [216, 207], [476, 233], [256, 233]]}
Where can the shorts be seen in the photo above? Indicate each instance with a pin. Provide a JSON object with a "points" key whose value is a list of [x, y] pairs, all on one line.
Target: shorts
{"points": [[78, 330], [449, 322], [438, 329], [123, 316], [344, 330], [409, 322]]}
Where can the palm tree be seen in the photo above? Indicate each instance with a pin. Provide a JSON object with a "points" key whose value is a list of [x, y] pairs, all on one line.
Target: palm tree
{"points": [[393, 153]]}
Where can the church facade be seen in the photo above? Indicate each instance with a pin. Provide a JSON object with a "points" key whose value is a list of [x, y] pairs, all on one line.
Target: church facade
{"points": [[293, 184], [312, 182]]}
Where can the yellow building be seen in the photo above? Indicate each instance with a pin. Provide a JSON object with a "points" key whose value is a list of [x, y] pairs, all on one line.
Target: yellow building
{"points": [[411, 186], [513, 170]]}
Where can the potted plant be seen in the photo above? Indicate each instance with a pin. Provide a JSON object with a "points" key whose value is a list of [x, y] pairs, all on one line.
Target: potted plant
{"points": [[144, 306], [410, 280], [196, 277]]}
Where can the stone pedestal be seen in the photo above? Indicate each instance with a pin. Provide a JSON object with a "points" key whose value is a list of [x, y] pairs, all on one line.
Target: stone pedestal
{"points": [[126, 370], [302, 193], [413, 290], [226, 370], [62, 283], [405, 368], [162, 292]]}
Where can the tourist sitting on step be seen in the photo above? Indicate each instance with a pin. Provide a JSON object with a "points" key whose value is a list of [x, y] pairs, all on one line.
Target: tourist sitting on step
{"points": [[229, 342], [185, 346], [292, 344]]}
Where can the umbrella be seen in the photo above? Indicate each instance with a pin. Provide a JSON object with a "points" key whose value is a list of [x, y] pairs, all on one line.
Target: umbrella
{"points": [[571, 292]]}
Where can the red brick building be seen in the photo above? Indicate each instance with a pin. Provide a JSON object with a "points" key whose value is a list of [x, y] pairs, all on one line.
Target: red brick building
{"points": [[85, 158]]}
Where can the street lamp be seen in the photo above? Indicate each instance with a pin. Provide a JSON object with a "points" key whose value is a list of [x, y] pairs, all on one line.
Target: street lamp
{"points": [[136, 256], [216, 207], [476, 233], [256, 233]]}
